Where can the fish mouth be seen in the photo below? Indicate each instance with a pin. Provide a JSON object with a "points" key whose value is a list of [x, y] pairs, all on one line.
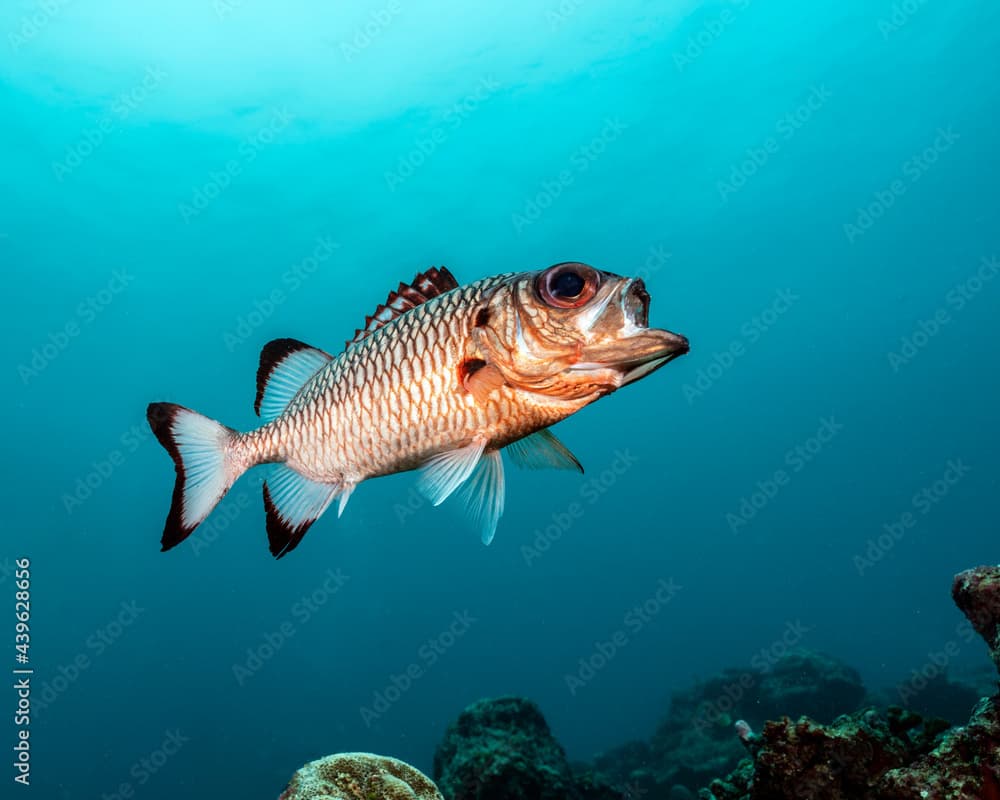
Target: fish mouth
{"points": [[663, 347], [651, 348], [633, 350], [646, 350]]}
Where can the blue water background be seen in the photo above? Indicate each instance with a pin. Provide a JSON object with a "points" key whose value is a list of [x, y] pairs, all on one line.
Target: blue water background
{"points": [[804, 187]]}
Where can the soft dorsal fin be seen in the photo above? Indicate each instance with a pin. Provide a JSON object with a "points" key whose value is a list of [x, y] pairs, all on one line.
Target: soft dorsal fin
{"points": [[426, 285], [285, 366]]}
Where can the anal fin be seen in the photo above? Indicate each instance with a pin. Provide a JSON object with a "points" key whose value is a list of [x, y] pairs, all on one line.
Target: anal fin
{"points": [[293, 503]]}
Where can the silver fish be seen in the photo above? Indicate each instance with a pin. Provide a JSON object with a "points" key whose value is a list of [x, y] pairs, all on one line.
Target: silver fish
{"points": [[441, 378]]}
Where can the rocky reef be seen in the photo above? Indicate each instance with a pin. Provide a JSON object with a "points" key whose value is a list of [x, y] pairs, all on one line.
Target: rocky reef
{"points": [[696, 742], [359, 776], [503, 748], [898, 756], [820, 737]]}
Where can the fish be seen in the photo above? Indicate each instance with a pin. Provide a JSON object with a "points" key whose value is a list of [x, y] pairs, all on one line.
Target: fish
{"points": [[442, 378]]}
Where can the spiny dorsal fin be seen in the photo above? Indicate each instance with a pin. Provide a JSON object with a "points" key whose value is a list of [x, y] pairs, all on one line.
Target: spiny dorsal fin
{"points": [[426, 285], [285, 366]]}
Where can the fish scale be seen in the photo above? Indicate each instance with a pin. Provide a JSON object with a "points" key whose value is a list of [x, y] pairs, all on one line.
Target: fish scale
{"points": [[373, 421], [440, 377]]}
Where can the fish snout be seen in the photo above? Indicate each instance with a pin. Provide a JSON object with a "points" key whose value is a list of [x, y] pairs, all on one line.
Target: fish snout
{"points": [[676, 343], [636, 303]]}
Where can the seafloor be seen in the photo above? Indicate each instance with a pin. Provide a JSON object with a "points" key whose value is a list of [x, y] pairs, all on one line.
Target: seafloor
{"points": [[805, 727]]}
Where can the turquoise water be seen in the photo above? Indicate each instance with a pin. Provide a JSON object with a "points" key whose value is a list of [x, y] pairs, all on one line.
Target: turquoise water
{"points": [[809, 192]]}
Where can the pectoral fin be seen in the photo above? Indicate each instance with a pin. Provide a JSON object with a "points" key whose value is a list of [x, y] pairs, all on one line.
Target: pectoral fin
{"points": [[480, 379], [542, 450]]}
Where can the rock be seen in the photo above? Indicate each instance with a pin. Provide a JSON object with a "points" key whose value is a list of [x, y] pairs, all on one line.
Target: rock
{"points": [[977, 594], [502, 749], [965, 766], [900, 757], [841, 761], [940, 696], [359, 776], [696, 741]]}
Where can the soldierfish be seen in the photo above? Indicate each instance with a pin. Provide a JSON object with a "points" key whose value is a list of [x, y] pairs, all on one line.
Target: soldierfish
{"points": [[441, 378]]}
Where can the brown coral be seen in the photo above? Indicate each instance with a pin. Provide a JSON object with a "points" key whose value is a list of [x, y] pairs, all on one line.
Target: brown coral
{"points": [[359, 776]]}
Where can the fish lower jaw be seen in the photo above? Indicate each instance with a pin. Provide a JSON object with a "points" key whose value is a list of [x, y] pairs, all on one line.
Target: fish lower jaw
{"points": [[643, 369]]}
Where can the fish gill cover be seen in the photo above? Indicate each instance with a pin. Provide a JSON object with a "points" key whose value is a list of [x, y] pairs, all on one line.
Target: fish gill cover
{"points": [[807, 191]]}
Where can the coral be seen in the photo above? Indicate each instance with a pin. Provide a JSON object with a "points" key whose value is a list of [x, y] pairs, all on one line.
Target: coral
{"points": [[502, 748], [900, 757], [359, 776], [840, 761], [965, 766], [695, 741]]}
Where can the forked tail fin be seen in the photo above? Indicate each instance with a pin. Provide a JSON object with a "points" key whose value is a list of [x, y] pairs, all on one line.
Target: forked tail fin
{"points": [[206, 466]]}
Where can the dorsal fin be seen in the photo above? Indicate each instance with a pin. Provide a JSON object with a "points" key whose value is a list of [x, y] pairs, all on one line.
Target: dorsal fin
{"points": [[285, 366], [422, 288]]}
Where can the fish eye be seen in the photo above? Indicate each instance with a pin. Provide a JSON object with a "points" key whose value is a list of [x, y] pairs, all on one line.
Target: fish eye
{"points": [[568, 285]]}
